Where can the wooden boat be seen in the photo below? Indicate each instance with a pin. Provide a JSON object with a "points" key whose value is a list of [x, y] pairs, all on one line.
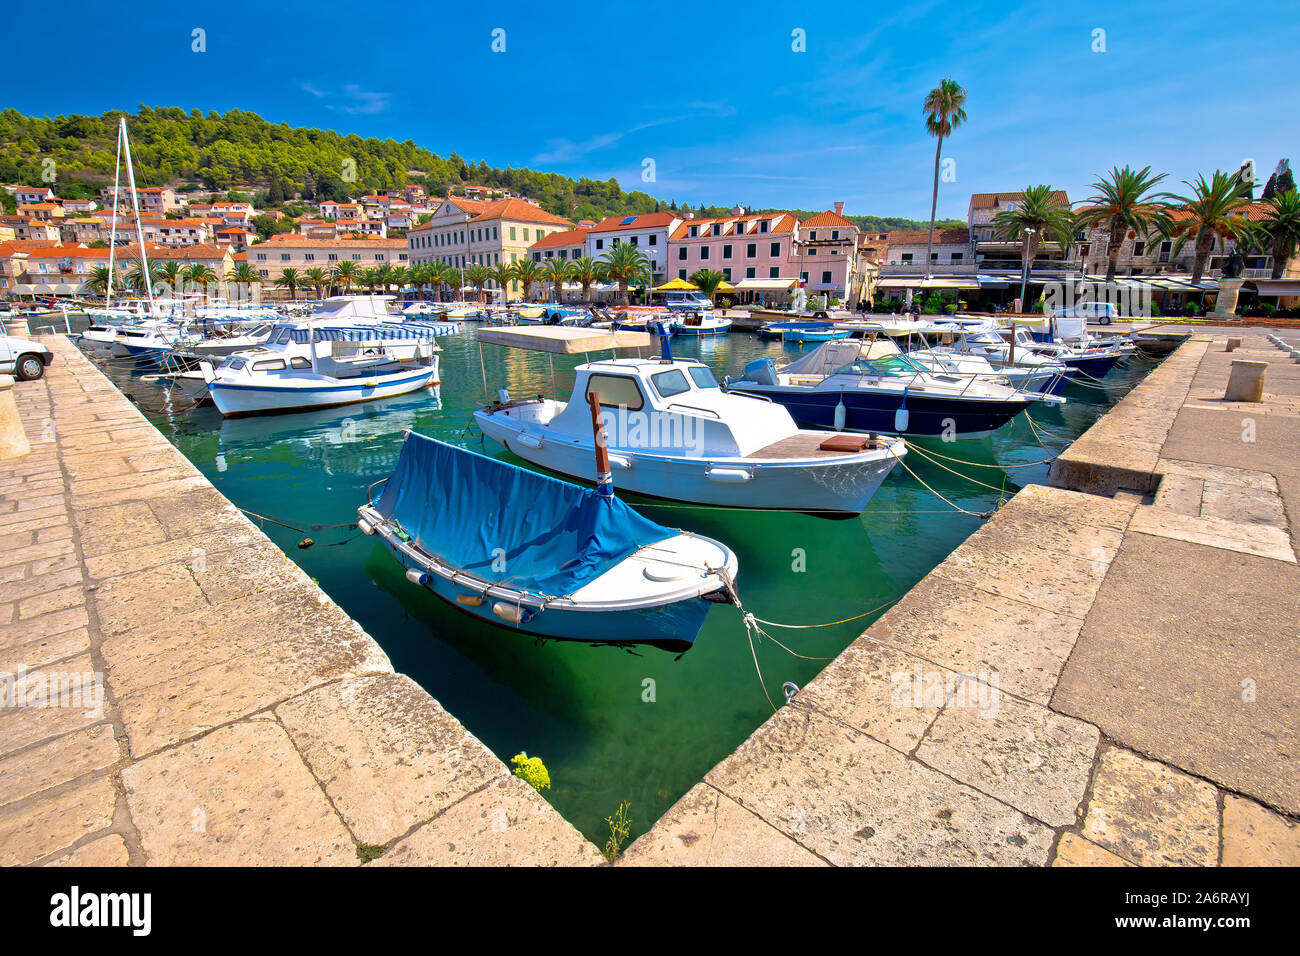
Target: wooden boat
{"points": [[542, 556]]}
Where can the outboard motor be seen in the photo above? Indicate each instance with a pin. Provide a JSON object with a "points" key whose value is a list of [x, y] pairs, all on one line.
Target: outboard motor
{"points": [[761, 371]]}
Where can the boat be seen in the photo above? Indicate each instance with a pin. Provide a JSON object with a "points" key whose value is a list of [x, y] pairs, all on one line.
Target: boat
{"points": [[541, 556], [857, 386], [673, 433], [820, 332], [312, 365], [699, 323]]}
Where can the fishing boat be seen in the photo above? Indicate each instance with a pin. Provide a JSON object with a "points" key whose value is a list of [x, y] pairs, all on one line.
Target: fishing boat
{"points": [[542, 556], [700, 323], [673, 433], [856, 386], [310, 365]]}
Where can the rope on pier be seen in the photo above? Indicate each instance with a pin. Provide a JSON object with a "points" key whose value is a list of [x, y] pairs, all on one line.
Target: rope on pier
{"points": [[952, 504]]}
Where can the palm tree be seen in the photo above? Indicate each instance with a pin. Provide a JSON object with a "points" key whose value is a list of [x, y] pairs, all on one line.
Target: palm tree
{"points": [[626, 263], [1125, 204], [503, 273], [346, 274], [1279, 231], [477, 275], [171, 272], [454, 279], [588, 272], [317, 278], [557, 271], [528, 273], [1037, 216], [202, 276], [370, 278], [707, 281], [400, 278], [945, 110], [290, 279], [243, 274], [433, 273], [1215, 209], [135, 279], [98, 281]]}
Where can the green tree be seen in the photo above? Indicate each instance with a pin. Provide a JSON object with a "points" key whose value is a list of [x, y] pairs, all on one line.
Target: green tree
{"points": [[1279, 231], [945, 111], [528, 274], [503, 273], [345, 273], [1038, 216], [1125, 203], [626, 263], [587, 272], [290, 279], [707, 281], [318, 279], [557, 271], [1215, 209]]}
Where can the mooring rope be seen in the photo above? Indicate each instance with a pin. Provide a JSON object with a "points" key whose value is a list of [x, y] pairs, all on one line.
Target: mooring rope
{"points": [[952, 504], [977, 464]]}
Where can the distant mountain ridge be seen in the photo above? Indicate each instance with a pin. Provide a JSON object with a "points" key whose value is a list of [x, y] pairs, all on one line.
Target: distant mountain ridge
{"points": [[238, 149]]}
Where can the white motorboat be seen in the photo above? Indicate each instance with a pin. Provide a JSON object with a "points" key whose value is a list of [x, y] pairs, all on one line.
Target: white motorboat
{"points": [[673, 433], [319, 365]]}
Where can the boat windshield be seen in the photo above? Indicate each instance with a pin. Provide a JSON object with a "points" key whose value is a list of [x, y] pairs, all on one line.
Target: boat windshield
{"points": [[669, 383], [703, 377], [889, 365]]}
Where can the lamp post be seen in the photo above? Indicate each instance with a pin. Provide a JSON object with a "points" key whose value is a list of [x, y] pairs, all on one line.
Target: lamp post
{"points": [[1024, 267]]}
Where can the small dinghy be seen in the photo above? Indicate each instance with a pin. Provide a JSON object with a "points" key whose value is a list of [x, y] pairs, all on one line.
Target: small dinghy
{"points": [[542, 556]]}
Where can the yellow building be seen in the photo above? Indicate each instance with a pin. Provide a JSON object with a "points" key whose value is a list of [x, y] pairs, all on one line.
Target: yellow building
{"points": [[465, 232]]}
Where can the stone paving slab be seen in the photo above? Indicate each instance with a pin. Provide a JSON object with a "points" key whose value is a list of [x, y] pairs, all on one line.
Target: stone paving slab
{"points": [[231, 680]]}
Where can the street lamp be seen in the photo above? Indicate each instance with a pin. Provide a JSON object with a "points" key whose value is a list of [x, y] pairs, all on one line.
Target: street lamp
{"points": [[1024, 267]]}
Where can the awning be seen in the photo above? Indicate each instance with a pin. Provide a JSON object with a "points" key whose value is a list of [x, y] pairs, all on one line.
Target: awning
{"points": [[561, 339], [1275, 286], [676, 285], [765, 285], [389, 332], [937, 282], [47, 288]]}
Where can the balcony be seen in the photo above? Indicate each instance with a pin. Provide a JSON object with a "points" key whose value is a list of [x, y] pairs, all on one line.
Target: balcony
{"points": [[983, 265]]}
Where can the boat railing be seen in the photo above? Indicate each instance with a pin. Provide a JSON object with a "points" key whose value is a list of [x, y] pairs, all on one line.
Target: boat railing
{"points": [[696, 408]]}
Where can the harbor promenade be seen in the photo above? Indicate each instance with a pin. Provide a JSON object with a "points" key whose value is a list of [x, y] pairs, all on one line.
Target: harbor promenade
{"points": [[177, 691], [1105, 674]]}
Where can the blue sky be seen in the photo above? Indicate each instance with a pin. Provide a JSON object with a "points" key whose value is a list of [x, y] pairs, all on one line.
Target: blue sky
{"points": [[714, 92]]}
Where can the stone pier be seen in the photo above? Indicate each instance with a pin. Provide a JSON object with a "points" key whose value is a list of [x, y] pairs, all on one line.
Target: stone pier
{"points": [[177, 691], [1105, 674]]}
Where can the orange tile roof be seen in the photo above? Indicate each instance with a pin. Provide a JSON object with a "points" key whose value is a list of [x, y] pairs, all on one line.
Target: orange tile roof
{"points": [[556, 240], [646, 220], [989, 200], [519, 211], [827, 218], [907, 237], [784, 224], [13, 246]]}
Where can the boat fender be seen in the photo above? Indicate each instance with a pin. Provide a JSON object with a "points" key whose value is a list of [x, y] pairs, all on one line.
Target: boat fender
{"points": [[470, 600], [729, 475], [366, 527], [840, 414], [902, 417], [513, 613], [417, 576]]}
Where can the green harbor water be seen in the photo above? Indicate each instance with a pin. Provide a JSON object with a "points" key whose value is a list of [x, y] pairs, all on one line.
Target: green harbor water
{"points": [[610, 725]]}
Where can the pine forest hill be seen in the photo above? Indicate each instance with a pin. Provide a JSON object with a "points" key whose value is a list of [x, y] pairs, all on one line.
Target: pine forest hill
{"points": [[239, 151]]}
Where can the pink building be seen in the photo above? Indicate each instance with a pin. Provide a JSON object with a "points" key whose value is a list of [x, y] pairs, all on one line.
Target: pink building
{"points": [[755, 246]]}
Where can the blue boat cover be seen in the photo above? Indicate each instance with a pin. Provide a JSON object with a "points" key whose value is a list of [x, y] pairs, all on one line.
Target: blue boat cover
{"points": [[506, 524]]}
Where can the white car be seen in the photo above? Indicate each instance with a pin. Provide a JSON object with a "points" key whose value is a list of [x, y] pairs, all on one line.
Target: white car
{"points": [[1103, 313], [22, 359]]}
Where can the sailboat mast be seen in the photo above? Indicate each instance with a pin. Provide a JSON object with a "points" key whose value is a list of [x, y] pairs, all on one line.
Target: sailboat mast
{"points": [[139, 228], [112, 238]]}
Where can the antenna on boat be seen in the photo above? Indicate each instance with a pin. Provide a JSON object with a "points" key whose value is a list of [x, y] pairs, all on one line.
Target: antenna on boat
{"points": [[604, 478], [665, 346]]}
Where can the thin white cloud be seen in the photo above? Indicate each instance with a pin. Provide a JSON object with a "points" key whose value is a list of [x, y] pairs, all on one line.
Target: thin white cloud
{"points": [[354, 99]]}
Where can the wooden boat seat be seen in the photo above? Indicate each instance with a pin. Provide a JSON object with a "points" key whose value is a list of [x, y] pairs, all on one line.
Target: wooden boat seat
{"points": [[810, 445]]}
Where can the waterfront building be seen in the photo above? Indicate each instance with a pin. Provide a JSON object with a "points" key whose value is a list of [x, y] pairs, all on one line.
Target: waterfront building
{"points": [[289, 250]]}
